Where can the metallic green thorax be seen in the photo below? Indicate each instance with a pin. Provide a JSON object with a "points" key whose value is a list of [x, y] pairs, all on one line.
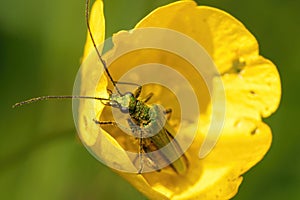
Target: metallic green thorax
{"points": [[138, 110]]}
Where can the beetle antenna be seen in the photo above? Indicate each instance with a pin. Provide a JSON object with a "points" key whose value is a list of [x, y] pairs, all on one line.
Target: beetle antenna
{"points": [[56, 97], [87, 16]]}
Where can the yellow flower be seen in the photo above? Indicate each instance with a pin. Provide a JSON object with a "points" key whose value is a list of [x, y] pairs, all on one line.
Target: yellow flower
{"points": [[252, 92]]}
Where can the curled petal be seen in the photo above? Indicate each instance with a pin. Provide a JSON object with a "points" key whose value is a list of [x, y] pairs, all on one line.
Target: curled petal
{"points": [[97, 25]]}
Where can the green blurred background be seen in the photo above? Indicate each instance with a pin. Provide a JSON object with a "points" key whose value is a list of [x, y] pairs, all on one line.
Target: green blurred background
{"points": [[41, 43]]}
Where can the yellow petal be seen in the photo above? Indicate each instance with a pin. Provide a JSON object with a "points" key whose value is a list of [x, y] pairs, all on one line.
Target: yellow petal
{"points": [[97, 25], [227, 41], [88, 77], [86, 84], [223, 37], [253, 93]]}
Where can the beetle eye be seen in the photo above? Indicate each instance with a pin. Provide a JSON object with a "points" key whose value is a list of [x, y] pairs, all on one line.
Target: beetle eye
{"points": [[114, 104], [124, 109]]}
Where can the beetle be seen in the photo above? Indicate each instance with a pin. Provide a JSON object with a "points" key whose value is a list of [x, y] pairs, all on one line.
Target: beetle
{"points": [[148, 123]]}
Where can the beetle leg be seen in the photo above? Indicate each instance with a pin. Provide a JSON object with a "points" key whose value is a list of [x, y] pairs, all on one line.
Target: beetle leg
{"points": [[137, 92], [168, 112], [148, 97]]}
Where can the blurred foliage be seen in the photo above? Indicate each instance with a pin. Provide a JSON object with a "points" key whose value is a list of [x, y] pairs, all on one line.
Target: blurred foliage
{"points": [[41, 43]]}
